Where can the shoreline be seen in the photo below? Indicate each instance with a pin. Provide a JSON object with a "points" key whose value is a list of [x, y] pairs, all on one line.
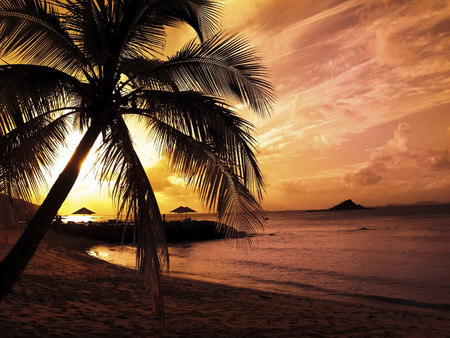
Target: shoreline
{"points": [[314, 292], [65, 292], [107, 252]]}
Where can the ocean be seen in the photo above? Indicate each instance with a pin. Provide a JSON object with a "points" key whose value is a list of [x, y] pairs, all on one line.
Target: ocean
{"points": [[395, 254]]}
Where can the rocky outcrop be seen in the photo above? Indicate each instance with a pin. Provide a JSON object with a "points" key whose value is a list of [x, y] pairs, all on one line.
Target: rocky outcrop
{"points": [[346, 205], [176, 231]]}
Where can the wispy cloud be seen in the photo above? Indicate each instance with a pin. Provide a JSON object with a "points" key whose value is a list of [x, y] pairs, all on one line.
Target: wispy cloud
{"points": [[343, 69]]}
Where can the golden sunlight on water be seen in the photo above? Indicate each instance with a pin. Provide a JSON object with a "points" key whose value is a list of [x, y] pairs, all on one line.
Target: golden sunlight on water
{"points": [[120, 255], [79, 218]]}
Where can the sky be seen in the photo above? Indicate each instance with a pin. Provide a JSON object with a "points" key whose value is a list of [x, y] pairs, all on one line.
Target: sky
{"points": [[362, 106]]}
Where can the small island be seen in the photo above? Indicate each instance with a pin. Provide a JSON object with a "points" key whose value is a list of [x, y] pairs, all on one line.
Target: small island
{"points": [[346, 205]]}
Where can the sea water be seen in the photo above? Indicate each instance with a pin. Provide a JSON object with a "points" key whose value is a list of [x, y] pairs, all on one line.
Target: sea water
{"points": [[398, 254]]}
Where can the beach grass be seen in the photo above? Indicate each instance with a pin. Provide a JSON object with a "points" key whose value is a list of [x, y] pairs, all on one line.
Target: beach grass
{"points": [[64, 292]]}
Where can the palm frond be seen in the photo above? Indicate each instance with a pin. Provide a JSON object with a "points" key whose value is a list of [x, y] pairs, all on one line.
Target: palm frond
{"points": [[209, 121], [141, 24], [32, 32], [141, 30], [28, 151], [211, 147], [223, 66], [135, 198], [27, 91], [83, 24], [201, 15], [145, 73], [32, 124], [212, 176]]}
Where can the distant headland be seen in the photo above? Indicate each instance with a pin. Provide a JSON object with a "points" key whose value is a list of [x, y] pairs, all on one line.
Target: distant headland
{"points": [[346, 205]]}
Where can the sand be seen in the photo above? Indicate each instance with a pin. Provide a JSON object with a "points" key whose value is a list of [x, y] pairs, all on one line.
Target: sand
{"points": [[64, 292]]}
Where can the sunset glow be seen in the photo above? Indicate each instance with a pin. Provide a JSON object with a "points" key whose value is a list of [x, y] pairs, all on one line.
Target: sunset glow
{"points": [[362, 106]]}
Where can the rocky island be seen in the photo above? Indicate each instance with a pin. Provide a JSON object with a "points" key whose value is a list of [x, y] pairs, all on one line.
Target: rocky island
{"points": [[346, 205]]}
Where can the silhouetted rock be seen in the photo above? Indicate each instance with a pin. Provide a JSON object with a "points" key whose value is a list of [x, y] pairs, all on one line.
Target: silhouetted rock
{"points": [[347, 205], [176, 231]]}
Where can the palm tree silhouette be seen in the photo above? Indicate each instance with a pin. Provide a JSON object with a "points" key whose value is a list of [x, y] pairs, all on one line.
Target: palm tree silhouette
{"points": [[93, 64]]}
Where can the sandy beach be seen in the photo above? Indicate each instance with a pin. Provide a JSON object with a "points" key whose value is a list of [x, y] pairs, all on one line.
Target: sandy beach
{"points": [[64, 292]]}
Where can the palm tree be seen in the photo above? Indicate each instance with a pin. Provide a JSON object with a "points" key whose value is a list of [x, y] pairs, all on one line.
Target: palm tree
{"points": [[94, 64]]}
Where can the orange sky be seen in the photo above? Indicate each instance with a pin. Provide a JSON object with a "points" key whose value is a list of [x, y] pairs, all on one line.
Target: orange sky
{"points": [[362, 110]]}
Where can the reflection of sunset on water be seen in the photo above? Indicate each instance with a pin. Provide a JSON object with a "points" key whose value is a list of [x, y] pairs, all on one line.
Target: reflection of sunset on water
{"points": [[79, 218]]}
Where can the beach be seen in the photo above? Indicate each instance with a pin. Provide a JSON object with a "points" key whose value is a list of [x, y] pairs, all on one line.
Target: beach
{"points": [[64, 292]]}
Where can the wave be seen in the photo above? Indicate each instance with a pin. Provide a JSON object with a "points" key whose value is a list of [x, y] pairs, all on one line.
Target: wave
{"points": [[335, 275], [333, 292], [283, 287], [409, 302]]}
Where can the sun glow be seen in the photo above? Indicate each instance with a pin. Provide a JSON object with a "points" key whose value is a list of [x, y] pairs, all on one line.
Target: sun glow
{"points": [[66, 153], [88, 190]]}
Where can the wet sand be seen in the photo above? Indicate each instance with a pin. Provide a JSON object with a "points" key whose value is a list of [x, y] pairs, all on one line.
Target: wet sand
{"points": [[64, 292]]}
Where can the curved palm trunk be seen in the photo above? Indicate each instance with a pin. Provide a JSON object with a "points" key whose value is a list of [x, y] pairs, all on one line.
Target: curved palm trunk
{"points": [[22, 252]]}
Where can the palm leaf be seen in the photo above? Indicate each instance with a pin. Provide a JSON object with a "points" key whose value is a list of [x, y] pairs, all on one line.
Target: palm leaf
{"points": [[32, 31], [201, 15], [32, 127], [27, 91], [28, 151], [141, 31], [139, 26], [145, 73], [83, 26], [135, 197], [211, 147], [212, 176], [209, 121], [223, 66]]}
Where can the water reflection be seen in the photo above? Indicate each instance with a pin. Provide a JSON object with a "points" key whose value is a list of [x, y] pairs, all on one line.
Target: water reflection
{"points": [[121, 255], [79, 218]]}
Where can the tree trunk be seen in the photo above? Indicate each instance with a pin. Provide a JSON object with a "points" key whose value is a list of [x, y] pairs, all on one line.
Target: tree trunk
{"points": [[22, 252]]}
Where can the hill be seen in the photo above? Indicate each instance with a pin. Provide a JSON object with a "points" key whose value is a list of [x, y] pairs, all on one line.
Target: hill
{"points": [[346, 205], [22, 210]]}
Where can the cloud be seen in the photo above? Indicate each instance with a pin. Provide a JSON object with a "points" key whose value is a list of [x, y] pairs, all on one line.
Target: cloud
{"points": [[291, 187], [400, 165], [394, 154], [365, 176], [390, 48], [395, 147], [400, 140], [159, 176], [400, 41], [441, 160], [258, 15]]}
